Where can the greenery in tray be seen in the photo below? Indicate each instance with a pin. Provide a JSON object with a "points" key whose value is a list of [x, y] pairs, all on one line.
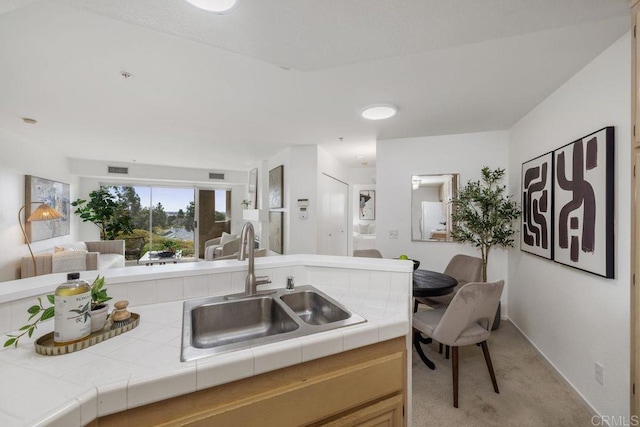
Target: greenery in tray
{"points": [[42, 313], [98, 292], [34, 310]]}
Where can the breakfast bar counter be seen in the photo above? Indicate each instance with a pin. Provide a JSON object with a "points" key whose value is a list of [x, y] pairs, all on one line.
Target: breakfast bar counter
{"points": [[143, 365]]}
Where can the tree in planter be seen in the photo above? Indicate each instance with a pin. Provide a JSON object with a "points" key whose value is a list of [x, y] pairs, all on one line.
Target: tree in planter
{"points": [[483, 215], [110, 215]]}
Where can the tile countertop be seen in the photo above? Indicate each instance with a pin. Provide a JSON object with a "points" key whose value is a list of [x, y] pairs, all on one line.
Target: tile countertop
{"points": [[143, 365]]}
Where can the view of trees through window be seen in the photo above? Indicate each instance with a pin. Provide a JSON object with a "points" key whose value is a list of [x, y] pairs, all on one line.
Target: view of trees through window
{"points": [[163, 218]]}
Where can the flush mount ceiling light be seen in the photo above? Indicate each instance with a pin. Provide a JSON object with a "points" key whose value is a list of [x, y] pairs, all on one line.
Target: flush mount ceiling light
{"points": [[379, 111], [218, 6]]}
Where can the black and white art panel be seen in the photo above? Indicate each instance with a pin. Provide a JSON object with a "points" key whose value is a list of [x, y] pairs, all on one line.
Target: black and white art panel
{"points": [[537, 213], [583, 203]]}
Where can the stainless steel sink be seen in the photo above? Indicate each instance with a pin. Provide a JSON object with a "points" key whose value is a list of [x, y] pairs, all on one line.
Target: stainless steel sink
{"points": [[313, 308], [216, 325]]}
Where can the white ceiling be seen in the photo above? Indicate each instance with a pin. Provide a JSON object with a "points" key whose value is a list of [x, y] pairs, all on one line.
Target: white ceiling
{"points": [[225, 91]]}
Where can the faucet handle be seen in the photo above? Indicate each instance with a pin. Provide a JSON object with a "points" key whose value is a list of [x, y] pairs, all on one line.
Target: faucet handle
{"points": [[262, 280]]}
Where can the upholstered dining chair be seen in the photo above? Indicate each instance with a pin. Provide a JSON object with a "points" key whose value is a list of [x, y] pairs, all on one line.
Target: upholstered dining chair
{"points": [[367, 253], [465, 269], [466, 320]]}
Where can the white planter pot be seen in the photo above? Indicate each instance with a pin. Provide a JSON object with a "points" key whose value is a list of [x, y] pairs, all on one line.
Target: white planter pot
{"points": [[99, 317]]}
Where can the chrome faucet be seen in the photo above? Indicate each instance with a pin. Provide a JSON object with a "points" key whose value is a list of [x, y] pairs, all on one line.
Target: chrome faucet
{"points": [[247, 241]]}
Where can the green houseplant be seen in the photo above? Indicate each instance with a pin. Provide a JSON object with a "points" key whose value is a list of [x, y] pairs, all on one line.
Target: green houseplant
{"points": [[41, 313], [483, 216], [103, 209]]}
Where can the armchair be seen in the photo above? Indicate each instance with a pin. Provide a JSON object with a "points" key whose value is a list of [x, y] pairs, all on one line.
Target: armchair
{"points": [[227, 244]]}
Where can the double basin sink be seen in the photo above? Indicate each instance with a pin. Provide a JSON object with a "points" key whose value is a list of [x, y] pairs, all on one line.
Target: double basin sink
{"points": [[218, 325]]}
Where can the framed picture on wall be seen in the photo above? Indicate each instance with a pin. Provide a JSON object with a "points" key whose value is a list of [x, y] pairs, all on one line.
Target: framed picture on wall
{"points": [[55, 194], [583, 203], [253, 189], [275, 232], [367, 205], [536, 234], [276, 180]]}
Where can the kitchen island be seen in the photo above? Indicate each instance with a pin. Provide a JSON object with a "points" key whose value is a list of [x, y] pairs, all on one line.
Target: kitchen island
{"points": [[142, 367]]}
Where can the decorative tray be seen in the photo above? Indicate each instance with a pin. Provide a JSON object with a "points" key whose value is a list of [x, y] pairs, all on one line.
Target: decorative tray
{"points": [[44, 345]]}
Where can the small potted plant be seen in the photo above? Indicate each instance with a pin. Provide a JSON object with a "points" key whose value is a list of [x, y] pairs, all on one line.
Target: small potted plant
{"points": [[99, 312], [99, 306]]}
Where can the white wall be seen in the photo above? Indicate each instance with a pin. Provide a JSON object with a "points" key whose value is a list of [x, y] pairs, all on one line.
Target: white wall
{"points": [[398, 160], [303, 184], [20, 158], [575, 318]]}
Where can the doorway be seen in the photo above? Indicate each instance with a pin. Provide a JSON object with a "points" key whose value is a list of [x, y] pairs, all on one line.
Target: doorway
{"points": [[214, 216], [333, 216]]}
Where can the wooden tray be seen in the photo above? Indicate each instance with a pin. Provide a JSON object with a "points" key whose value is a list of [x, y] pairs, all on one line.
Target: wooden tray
{"points": [[44, 345]]}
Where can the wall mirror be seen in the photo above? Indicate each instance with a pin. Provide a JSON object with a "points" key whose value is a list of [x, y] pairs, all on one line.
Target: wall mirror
{"points": [[431, 204]]}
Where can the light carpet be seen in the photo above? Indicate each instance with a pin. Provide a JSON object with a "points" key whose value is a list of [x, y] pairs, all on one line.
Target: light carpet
{"points": [[531, 393]]}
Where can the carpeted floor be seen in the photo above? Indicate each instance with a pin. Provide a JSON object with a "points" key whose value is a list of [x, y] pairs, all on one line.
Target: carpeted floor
{"points": [[531, 394]]}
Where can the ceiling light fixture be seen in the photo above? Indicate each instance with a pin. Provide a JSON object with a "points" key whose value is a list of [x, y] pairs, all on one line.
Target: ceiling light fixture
{"points": [[218, 6], [379, 111], [29, 121]]}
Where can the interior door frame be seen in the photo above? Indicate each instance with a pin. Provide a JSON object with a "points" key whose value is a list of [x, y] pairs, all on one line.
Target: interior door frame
{"points": [[347, 212]]}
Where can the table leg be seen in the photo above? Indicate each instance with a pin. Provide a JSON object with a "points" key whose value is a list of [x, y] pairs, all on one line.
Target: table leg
{"points": [[417, 339]]}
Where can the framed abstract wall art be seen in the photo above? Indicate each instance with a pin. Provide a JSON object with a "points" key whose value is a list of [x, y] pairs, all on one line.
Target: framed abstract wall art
{"points": [[367, 204], [276, 180], [55, 194], [584, 203], [536, 234]]}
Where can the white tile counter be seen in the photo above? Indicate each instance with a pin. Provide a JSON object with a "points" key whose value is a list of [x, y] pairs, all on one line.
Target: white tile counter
{"points": [[143, 366]]}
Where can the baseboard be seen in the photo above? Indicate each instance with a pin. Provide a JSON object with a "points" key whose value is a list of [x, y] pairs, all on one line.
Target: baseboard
{"points": [[556, 371]]}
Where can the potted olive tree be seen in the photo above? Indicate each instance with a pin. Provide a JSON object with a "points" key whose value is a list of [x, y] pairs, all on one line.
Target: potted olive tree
{"points": [[483, 215]]}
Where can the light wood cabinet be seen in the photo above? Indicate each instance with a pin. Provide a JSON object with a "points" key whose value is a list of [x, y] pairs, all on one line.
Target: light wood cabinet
{"points": [[361, 387], [386, 413]]}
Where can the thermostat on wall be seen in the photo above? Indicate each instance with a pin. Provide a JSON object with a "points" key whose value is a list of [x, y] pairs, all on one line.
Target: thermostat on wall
{"points": [[303, 204]]}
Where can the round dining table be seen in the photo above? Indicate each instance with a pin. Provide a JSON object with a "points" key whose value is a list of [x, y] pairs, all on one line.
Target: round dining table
{"points": [[428, 283]]}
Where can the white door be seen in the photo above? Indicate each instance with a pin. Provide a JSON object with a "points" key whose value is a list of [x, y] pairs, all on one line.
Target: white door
{"points": [[332, 221]]}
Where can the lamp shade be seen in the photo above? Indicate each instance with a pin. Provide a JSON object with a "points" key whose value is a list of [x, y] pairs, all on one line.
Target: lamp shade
{"points": [[44, 212]]}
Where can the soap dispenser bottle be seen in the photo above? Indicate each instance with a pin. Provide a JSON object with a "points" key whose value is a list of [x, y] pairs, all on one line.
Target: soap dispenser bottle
{"points": [[72, 300]]}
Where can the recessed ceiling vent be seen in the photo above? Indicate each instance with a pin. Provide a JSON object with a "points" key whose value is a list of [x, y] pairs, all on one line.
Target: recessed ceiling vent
{"points": [[216, 175], [120, 170]]}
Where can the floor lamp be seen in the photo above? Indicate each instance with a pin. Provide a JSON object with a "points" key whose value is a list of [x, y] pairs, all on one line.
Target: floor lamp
{"points": [[44, 212]]}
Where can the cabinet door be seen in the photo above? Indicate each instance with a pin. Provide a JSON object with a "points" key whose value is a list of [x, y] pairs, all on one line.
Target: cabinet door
{"points": [[386, 413]]}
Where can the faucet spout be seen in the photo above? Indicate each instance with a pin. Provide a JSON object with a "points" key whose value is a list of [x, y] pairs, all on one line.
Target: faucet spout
{"points": [[247, 239]]}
